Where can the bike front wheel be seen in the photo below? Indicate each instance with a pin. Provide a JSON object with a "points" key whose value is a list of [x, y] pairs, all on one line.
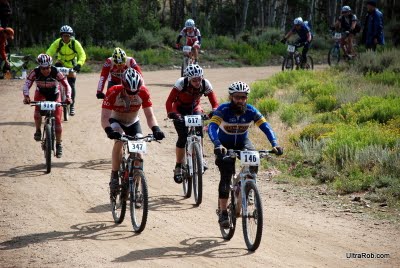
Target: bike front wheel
{"points": [[227, 233], [309, 65], [118, 201], [288, 63], [139, 201], [253, 219], [66, 112], [197, 179], [48, 147], [334, 56]]}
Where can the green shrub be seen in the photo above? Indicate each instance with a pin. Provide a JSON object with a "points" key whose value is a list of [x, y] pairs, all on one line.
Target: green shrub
{"points": [[355, 181], [295, 113], [325, 103], [267, 106], [386, 78], [153, 57], [259, 90], [316, 131], [143, 39], [168, 36]]}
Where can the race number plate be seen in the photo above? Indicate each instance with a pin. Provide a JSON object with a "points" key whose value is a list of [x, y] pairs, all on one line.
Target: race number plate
{"points": [[192, 120], [338, 35], [291, 48], [187, 49], [48, 106], [137, 147], [251, 158], [64, 70]]}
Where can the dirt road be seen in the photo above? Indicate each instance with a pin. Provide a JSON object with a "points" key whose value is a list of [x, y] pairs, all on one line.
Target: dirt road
{"points": [[63, 219]]}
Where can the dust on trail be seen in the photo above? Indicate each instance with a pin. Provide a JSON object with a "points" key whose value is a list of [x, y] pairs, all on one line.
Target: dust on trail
{"points": [[63, 218]]}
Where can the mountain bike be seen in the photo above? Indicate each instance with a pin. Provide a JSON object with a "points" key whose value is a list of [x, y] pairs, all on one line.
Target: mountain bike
{"points": [[245, 200], [334, 54], [293, 58], [132, 183], [193, 169], [47, 109], [187, 58], [66, 72]]}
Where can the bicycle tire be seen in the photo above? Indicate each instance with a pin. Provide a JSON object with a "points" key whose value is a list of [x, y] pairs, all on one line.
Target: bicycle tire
{"points": [[48, 147], [66, 112], [186, 180], [310, 63], [334, 56], [139, 211], [253, 221], [288, 63], [185, 63], [118, 202], [197, 179], [227, 233]]}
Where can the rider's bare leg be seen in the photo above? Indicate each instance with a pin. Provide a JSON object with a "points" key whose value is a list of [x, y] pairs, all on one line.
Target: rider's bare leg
{"points": [[180, 155], [223, 204], [38, 123], [116, 155], [350, 45], [195, 54]]}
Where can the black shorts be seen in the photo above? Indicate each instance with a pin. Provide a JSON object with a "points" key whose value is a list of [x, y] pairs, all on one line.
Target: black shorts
{"points": [[131, 130]]}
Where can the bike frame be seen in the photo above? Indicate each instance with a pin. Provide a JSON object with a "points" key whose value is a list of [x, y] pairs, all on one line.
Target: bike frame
{"points": [[191, 140]]}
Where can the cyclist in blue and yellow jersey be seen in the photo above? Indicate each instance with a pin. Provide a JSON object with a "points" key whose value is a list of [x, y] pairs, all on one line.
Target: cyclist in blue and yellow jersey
{"points": [[229, 130], [305, 37], [69, 54]]}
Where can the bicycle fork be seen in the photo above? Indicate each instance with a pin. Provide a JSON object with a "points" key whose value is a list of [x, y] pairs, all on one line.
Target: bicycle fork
{"points": [[191, 141]]}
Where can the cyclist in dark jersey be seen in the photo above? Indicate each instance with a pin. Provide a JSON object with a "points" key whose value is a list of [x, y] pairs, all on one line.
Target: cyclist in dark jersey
{"points": [[229, 130], [347, 24], [47, 79]]}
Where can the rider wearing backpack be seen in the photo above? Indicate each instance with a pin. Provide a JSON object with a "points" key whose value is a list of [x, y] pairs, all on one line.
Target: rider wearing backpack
{"points": [[69, 54], [305, 37], [193, 38], [349, 24], [184, 99]]}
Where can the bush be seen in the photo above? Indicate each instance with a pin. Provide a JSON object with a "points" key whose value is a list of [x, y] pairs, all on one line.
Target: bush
{"points": [[143, 39], [295, 113], [325, 103], [316, 131], [267, 106]]}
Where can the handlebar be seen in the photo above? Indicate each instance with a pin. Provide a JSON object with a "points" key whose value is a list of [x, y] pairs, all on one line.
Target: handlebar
{"points": [[38, 103], [231, 154], [65, 70], [147, 138], [181, 118]]}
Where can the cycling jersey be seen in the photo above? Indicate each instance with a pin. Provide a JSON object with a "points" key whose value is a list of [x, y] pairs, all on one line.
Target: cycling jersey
{"points": [[118, 103], [110, 72], [191, 37], [66, 53], [46, 85], [231, 131], [346, 21], [302, 32], [186, 99]]}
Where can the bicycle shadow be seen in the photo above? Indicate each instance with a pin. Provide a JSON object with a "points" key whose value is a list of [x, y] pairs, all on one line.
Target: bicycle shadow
{"points": [[13, 123], [160, 85], [40, 169], [84, 231], [169, 203], [194, 247]]}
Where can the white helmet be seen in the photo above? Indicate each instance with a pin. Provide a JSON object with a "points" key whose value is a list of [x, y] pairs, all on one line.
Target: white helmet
{"points": [[346, 9], [131, 80], [298, 21], [44, 60], [66, 29], [189, 23], [238, 87], [193, 70]]}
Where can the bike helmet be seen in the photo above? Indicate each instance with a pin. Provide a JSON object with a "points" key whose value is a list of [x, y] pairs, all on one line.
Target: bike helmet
{"points": [[44, 60], [238, 87], [119, 56], [346, 9], [298, 21], [132, 81], [189, 23], [66, 30], [9, 31], [193, 70]]}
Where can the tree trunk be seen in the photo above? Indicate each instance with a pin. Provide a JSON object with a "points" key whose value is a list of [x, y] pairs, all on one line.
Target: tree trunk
{"points": [[284, 14], [244, 15]]}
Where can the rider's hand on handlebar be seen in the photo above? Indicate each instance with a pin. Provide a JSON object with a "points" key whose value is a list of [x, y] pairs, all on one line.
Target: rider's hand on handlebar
{"points": [[174, 116], [219, 151], [27, 100], [157, 133], [112, 134], [100, 95], [278, 150], [68, 101], [77, 68]]}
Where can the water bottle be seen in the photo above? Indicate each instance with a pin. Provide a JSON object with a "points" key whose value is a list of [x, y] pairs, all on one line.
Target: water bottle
{"points": [[23, 74]]}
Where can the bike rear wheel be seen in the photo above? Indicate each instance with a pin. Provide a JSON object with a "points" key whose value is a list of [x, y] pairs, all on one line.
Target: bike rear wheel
{"points": [[66, 112], [288, 63], [309, 65], [197, 160], [334, 56], [227, 233], [139, 201], [253, 220], [48, 147], [118, 202]]}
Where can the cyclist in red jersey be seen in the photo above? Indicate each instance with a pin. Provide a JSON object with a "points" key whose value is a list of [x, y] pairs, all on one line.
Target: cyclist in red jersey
{"points": [[113, 68], [5, 35], [47, 79], [193, 38], [120, 114], [184, 99]]}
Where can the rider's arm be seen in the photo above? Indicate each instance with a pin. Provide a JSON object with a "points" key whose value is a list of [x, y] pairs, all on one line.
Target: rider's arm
{"points": [[105, 71], [63, 80], [105, 116], [199, 39], [151, 119], [261, 122], [179, 39], [81, 53], [28, 83], [133, 64], [52, 50], [173, 95], [213, 128], [213, 100], [309, 36]]}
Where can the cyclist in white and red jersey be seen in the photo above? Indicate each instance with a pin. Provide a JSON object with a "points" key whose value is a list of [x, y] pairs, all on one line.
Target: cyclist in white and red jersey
{"points": [[193, 38], [47, 79], [113, 69], [120, 114]]}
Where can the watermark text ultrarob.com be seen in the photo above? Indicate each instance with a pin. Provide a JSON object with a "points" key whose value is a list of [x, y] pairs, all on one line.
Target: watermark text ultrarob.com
{"points": [[364, 255]]}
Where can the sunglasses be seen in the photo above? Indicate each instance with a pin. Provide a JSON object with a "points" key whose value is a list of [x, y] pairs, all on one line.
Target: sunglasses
{"points": [[45, 68], [130, 92], [240, 97], [196, 80], [66, 35]]}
